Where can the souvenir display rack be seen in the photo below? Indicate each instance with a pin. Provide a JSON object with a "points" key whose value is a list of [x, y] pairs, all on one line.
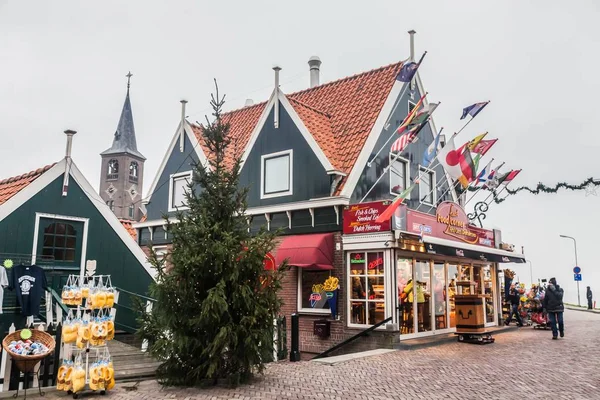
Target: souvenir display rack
{"points": [[86, 329]]}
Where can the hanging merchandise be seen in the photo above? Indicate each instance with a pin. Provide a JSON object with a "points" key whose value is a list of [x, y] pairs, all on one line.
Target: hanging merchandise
{"points": [[86, 329], [30, 284]]}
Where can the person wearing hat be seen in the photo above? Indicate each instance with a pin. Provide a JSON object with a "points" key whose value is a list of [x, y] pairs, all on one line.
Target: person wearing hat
{"points": [[553, 303], [589, 298]]}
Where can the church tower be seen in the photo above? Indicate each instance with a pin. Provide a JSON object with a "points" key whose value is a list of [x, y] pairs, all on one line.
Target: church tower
{"points": [[122, 173]]}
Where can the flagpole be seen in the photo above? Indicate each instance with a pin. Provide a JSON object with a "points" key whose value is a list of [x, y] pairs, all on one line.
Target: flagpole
{"points": [[393, 134], [391, 163], [479, 188], [469, 121], [404, 89]]}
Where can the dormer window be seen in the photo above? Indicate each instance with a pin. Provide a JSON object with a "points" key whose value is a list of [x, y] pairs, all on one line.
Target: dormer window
{"points": [[276, 175], [133, 171], [113, 169]]}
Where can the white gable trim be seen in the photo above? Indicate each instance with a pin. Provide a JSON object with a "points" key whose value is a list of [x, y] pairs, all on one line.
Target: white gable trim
{"points": [[32, 189], [434, 131], [306, 134], [112, 219], [371, 141], [259, 125], [52, 174], [176, 138]]}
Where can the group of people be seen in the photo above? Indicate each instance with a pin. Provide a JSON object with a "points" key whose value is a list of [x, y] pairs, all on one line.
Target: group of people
{"points": [[552, 303]]}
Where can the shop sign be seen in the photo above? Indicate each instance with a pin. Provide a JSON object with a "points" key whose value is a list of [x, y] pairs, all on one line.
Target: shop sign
{"points": [[357, 258], [449, 222], [375, 263], [360, 218]]}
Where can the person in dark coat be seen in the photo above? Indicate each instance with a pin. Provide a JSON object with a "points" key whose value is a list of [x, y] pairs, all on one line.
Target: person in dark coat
{"points": [[515, 299], [553, 303], [589, 298]]}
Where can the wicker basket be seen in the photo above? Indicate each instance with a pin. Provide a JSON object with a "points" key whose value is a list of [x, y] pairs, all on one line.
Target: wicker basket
{"points": [[28, 363]]}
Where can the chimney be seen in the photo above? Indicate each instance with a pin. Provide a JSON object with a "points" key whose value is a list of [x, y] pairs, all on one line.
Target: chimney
{"points": [[69, 134], [249, 102], [412, 44], [276, 115], [65, 187], [315, 69], [182, 126]]}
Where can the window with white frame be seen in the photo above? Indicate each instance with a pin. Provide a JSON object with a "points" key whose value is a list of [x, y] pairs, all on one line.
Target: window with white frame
{"points": [[399, 174], [426, 186], [366, 289], [178, 187], [277, 174], [312, 298]]}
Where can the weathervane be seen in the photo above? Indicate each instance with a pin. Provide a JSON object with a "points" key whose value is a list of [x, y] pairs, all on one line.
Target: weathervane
{"points": [[129, 75]]}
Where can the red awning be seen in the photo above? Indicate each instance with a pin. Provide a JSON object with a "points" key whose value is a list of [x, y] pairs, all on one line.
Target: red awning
{"points": [[307, 251]]}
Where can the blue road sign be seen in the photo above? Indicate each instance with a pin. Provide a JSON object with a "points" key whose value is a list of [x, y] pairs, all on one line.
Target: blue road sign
{"points": [[577, 270], [577, 277]]}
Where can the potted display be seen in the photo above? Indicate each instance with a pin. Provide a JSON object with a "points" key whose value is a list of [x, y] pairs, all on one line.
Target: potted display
{"points": [[331, 287]]}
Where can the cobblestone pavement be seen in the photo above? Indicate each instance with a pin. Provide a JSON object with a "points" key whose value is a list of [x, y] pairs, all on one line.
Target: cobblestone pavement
{"points": [[524, 363]]}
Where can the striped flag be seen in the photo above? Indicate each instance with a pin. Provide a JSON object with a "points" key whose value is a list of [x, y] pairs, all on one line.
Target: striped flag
{"points": [[483, 146], [407, 121], [400, 144], [481, 177], [389, 211]]}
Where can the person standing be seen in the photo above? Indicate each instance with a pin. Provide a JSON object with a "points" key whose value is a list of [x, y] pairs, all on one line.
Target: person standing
{"points": [[553, 303], [515, 299], [589, 298]]}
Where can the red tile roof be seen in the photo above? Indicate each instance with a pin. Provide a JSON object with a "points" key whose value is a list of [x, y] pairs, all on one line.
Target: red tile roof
{"points": [[127, 224], [339, 115], [11, 186]]}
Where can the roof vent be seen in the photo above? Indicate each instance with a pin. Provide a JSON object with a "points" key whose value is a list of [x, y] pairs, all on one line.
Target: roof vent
{"points": [[315, 69], [249, 102]]}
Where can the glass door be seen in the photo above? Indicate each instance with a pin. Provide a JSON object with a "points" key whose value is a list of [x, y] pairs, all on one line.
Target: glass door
{"points": [[440, 296], [490, 292], [452, 279], [405, 304], [423, 300]]}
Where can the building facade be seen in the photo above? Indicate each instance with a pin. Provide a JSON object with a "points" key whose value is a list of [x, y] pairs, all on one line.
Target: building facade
{"points": [[310, 160]]}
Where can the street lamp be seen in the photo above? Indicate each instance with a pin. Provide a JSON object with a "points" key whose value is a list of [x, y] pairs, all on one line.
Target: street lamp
{"points": [[576, 264], [530, 271]]}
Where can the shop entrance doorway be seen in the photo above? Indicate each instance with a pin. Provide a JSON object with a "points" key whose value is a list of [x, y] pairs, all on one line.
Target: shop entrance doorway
{"points": [[425, 298]]}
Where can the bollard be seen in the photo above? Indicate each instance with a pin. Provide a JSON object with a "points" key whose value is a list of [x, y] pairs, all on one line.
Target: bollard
{"points": [[295, 352], [594, 304]]}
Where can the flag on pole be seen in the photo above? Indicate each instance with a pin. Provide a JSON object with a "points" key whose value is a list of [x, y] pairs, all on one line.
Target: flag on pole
{"points": [[389, 211], [429, 153], [475, 141], [449, 159], [509, 176], [492, 181], [481, 177], [409, 69], [400, 144], [467, 166], [407, 121], [423, 114], [483, 146], [473, 109]]}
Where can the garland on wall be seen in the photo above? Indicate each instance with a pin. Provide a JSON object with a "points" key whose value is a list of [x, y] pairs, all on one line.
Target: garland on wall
{"points": [[589, 185]]}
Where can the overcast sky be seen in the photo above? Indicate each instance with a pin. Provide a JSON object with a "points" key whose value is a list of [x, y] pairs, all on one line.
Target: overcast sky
{"points": [[63, 66]]}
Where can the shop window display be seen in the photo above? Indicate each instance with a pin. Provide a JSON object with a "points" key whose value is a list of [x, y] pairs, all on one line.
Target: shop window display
{"points": [[312, 295], [367, 288]]}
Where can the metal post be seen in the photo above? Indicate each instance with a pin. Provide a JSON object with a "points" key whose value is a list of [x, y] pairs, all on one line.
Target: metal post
{"points": [[530, 271], [295, 351], [576, 264]]}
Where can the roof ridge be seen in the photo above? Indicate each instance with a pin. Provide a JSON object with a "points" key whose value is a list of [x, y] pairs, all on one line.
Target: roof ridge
{"points": [[27, 174], [347, 78], [320, 86], [303, 104]]}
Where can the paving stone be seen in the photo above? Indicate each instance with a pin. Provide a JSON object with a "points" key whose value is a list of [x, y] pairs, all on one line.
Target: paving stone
{"points": [[524, 363]]}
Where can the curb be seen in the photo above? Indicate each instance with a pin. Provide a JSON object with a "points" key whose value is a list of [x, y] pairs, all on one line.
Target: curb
{"points": [[594, 311]]}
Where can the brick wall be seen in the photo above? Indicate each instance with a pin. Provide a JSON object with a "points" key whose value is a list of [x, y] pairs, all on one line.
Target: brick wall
{"points": [[310, 344]]}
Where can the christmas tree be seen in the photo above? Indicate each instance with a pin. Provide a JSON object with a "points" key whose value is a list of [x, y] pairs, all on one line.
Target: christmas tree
{"points": [[215, 303]]}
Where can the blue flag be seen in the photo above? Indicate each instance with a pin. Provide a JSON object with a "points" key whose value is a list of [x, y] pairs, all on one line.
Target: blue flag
{"points": [[430, 152], [473, 109], [408, 70]]}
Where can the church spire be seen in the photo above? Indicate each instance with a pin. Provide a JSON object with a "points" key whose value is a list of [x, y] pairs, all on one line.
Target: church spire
{"points": [[124, 139]]}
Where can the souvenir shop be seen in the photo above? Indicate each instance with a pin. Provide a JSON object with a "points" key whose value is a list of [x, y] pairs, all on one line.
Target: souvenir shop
{"points": [[410, 268]]}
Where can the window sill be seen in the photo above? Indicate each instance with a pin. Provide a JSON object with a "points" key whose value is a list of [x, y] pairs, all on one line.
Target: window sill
{"points": [[305, 311]]}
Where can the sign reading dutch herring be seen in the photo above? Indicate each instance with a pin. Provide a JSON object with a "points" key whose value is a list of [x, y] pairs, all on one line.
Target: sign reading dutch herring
{"points": [[360, 218], [449, 222]]}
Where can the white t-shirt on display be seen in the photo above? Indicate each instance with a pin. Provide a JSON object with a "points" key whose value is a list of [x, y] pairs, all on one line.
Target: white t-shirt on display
{"points": [[3, 284]]}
